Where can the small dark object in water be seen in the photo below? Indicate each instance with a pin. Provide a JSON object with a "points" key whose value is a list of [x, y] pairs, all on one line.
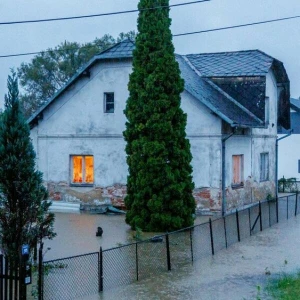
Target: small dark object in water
{"points": [[157, 239], [99, 231]]}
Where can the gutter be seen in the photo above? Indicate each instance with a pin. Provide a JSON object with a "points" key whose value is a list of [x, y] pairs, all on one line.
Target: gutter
{"points": [[276, 170], [224, 139]]}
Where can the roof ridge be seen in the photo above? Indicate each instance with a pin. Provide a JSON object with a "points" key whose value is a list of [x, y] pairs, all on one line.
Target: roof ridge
{"points": [[223, 92], [229, 52], [115, 45], [213, 85]]}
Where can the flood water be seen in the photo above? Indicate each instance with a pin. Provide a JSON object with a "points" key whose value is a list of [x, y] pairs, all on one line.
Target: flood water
{"points": [[76, 234], [232, 274]]}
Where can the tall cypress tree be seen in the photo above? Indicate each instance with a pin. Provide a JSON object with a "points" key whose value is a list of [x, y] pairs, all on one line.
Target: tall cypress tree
{"points": [[159, 185], [24, 217]]}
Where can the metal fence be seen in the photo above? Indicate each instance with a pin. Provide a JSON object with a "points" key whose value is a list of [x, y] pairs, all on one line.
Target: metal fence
{"points": [[288, 185], [79, 276]]}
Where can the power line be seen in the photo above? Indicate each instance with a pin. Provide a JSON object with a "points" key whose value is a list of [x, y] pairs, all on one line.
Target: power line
{"points": [[101, 15], [174, 35], [236, 26]]}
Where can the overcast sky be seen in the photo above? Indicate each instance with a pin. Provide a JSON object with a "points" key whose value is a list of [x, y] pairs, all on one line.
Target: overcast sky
{"points": [[280, 40]]}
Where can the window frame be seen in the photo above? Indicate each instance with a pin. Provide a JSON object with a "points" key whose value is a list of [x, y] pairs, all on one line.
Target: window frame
{"points": [[106, 103], [264, 166], [240, 183], [72, 183]]}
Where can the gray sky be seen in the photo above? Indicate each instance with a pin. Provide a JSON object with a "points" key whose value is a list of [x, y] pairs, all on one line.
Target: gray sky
{"points": [[280, 40]]}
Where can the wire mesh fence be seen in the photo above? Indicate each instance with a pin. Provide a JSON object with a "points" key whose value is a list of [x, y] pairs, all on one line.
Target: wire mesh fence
{"points": [[71, 278], [79, 276]]}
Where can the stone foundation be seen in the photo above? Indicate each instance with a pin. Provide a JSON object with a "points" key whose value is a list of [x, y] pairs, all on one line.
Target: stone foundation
{"points": [[206, 198], [90, 195]]}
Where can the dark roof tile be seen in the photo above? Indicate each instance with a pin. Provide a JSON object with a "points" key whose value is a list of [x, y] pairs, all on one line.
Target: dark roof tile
{"points": [[226, 64]]}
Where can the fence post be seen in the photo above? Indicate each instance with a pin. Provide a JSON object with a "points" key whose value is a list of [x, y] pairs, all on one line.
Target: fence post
{"points": [[277, 213], [136, 262], [225, 232], [211, 237], [269, 213], [249, 214], [1, 279], [191, 241], [238, 225], [287, 207], [168, 252], [40, 273], [260, 216], [296, 204], [101, 270]]}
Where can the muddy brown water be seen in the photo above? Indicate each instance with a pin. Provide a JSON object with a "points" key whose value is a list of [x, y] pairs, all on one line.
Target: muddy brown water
{"points": [[233, 273], [76, 233]]}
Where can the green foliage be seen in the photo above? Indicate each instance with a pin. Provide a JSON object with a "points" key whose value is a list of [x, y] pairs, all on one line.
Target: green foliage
{"points": [[50, 70], [287, 185], [159, 185], [24, 217], [287, 287]]}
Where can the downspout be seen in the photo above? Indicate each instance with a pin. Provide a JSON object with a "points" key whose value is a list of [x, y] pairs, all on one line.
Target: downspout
{"points": [[224, 139], [276, 170]]}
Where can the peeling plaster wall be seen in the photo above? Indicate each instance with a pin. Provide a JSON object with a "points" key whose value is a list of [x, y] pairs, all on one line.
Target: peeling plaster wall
{"points": [[77, 124]]}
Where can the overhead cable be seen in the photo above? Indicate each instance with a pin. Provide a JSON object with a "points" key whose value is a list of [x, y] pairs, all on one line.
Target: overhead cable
{"points": [[236, 26], [100, 15], [175, 35]]}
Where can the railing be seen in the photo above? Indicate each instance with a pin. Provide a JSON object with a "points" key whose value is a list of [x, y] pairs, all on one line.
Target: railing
{"points": [[83, 275], [288, 185]]}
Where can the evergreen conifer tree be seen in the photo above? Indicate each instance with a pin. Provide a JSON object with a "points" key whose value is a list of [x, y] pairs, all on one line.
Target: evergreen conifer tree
{"points": [[159, 185], [24, 217]]}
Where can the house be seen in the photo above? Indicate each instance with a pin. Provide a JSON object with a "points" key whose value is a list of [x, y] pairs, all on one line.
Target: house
{"points": [[234, 102], [288, 145]]}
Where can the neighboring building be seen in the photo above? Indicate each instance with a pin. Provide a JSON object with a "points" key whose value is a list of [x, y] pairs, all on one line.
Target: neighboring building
{"points": [[289, 147], [233, 102]]}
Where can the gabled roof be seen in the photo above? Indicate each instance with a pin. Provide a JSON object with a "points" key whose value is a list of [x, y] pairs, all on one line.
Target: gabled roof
{"points": [[120, 50], [200, 72], [215, 99], [238, 63]]}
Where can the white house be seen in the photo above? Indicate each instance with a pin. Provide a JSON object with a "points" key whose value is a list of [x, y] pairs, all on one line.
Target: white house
{"points": [[288, 145], [233, 101]]}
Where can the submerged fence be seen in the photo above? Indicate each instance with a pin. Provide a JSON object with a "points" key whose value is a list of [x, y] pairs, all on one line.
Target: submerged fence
{"points": [[84, 275]]}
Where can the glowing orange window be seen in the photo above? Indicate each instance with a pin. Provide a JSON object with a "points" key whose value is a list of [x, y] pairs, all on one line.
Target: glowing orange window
{"points": [[82, 169]]}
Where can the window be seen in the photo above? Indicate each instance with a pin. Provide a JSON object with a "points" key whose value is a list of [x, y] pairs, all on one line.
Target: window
{"points": [[237, 170], [109, 102], [264, 166], [82, 169]]}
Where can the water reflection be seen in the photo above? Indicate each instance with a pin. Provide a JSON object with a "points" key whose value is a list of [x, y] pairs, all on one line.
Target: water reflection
{"points": [[76, 233]]}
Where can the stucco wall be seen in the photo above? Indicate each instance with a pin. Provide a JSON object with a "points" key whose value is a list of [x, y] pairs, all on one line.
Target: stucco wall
{"points": [[77, 124]]}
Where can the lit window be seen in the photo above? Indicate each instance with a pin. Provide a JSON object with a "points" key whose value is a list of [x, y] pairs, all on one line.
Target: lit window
{"points": [[82, 169], [237, 170], [109, 102], [264, 166]]}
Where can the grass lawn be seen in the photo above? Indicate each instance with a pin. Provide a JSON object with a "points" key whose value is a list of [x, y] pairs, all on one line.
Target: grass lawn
{"points": [[287, 287]]}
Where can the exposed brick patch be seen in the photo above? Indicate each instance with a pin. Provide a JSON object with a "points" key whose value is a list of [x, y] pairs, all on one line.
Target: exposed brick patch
{"points": [[57, 196], [206, 198]]}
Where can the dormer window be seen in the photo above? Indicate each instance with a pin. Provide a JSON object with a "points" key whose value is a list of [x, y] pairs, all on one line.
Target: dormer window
{"points": [[109, 102]]}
